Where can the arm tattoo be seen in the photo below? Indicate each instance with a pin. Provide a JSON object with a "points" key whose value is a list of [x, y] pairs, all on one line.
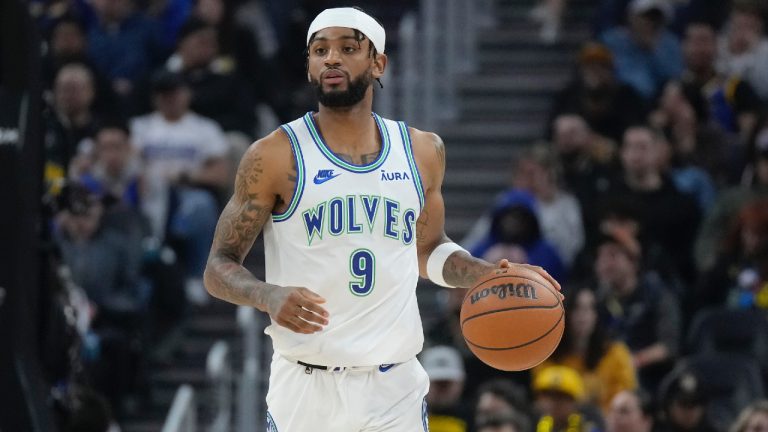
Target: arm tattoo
{"points": [[239, 225], [421, 227], [463, 270], [440, 150]]}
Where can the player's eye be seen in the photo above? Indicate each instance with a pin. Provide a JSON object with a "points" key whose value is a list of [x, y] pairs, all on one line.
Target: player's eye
{"points": [[350, 49], [319, 51]]}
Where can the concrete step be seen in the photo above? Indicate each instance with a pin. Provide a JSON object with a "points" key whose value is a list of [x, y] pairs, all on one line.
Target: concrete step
{"points": [[525, 35], [496, 132], [501, 59], [478, 105], [512, 13], [506, 85]]}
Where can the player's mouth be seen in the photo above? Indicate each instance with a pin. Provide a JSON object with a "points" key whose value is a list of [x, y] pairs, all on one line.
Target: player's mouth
{"points": [[333, 77]]}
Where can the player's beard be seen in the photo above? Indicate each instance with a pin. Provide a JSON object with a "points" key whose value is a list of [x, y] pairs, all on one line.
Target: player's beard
{"points": [[354, 93]]}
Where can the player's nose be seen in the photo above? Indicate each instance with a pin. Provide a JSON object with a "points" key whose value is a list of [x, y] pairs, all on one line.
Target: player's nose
{"points": [[333, 57]]}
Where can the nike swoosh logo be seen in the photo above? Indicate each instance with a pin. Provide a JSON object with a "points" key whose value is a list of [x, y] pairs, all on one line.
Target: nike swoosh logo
{"points": [[386, 367], [321, 180]]}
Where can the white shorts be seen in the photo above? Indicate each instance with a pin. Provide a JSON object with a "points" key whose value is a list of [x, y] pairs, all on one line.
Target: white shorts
{"points": [[372, 399]]}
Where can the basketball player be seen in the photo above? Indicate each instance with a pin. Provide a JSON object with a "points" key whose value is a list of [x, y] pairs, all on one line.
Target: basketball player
{"points": [[352, 214]]}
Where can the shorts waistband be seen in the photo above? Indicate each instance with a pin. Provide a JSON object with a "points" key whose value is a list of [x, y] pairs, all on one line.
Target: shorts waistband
{"points": [[308, 367]]}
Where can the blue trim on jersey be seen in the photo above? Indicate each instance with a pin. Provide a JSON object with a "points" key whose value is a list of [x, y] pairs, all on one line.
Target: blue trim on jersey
{"points": [[298, 188], [360, 169], [406, 136], [271, 426], [424, 415]]}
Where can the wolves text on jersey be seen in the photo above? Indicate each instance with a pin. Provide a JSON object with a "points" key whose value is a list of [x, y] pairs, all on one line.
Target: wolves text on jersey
{"points": [[349, 214]]}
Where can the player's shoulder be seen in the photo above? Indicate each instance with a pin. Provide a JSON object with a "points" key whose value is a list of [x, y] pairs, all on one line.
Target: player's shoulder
{"points": [[274, 148], [428, 148], [427, 139]]}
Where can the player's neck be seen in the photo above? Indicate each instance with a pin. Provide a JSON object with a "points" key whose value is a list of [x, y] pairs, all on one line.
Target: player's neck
{"points": [[345, 128]]}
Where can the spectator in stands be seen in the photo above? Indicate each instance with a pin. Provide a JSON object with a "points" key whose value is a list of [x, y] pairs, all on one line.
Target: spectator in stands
{"points": [[667, 216], [630, 411], [683, 407], [753, 418], [515, 233], [124, 44], [743, 50], [637, 306], [558, 393], [507, 423], [105, 263], [71, 121], [587, 161], [239, 43], [694, 141], [68, 43], [729, 203], [537, 171], [608, 105], [646, 54], [605, 365], [688, 178], [739, 279], [502, 399], [217, 89], [185, 169], [445, 368], [113, 164], [731, 102]]}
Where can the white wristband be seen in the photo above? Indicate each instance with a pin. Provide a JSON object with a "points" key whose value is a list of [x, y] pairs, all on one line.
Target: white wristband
{"points": [[436, 262]]}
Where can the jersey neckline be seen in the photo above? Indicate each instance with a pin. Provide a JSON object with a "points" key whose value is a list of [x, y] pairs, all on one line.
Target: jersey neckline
{"points": [[309, 120]]}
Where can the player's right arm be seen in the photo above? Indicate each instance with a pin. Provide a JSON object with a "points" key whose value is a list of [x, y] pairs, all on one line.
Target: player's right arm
{"points": [[264, 172]]}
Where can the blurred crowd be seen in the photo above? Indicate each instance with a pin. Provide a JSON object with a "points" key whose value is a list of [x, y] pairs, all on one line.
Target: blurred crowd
{"points": [[647, 196]]}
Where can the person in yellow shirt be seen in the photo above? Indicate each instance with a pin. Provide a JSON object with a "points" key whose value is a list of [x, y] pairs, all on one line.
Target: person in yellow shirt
{"points": [[604, 364]]}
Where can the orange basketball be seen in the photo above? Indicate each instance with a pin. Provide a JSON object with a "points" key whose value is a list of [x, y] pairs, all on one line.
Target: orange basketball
{"points": [[513, 319]]}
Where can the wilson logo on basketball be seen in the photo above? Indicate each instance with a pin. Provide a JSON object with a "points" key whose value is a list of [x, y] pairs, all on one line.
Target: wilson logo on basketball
{"points": [[521, 290]]}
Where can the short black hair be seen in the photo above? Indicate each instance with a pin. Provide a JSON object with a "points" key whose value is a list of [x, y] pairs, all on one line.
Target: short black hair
{"points": [[118, 123], [164, 81], [193, 25]]}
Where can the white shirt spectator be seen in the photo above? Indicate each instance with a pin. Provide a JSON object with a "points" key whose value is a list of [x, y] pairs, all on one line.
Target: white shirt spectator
{"points": [[169, 149], [751, 66]]}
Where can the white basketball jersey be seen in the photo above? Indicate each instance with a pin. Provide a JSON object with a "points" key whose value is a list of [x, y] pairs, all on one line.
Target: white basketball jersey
{"points": [[349, 234]]}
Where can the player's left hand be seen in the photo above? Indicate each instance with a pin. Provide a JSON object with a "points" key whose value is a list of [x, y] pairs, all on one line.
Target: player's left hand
{"points": [[504, 263]]}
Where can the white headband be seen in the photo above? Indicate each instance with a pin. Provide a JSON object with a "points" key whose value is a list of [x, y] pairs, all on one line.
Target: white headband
{"points": [[350, 18]]}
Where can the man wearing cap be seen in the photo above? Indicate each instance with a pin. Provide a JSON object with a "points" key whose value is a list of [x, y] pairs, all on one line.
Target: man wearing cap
{"points": [[558, 393], [352, 214], [445, 368], [646, 54], [637, 305]]}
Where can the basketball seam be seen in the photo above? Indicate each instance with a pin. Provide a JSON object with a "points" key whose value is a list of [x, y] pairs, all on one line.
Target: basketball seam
{"points": [[522, 345], [557, 297]]}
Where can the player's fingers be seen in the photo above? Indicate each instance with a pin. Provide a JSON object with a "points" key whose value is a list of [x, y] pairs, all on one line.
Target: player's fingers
{"points": [[312, 296], [309, 301], [305, 326], [298, 325], [312, 317], [546, 275]]}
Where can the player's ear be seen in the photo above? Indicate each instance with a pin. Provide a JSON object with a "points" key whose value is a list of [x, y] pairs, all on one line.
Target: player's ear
{"points": [[379, 65]]}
